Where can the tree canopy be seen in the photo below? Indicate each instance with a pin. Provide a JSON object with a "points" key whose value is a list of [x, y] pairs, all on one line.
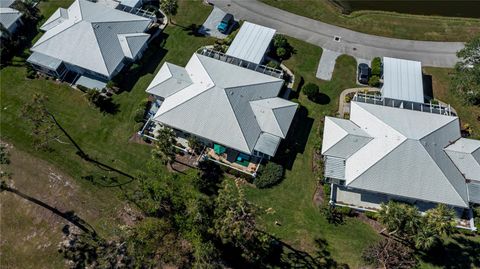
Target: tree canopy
{"points": [[423, 232], [466, 78]]}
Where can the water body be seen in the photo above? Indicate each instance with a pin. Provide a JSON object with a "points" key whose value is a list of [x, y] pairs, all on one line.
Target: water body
{"points": [[449, 8]]}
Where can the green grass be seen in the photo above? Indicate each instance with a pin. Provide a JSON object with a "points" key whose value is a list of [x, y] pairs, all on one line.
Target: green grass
{"points": [[468, 114], [103, 137], [387, 24], [301, 221]]}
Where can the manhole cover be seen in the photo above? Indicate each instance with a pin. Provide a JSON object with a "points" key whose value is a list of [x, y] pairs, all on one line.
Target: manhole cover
{"points": [[337, 38]]}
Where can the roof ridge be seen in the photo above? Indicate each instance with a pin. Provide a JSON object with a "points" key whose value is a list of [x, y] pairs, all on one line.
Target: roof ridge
{"points": [[445, 176], [238, 122], [276, 119], [373, 164], [440, 127], [383, 122], [207, 89], [98, 46]]}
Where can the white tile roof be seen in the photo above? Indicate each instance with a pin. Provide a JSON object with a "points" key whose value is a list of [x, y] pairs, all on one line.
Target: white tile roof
{"points": [[217, 102], [465, 153], [92, 36], [397, 151], [8, 15], [402, 80], [251, 42]]}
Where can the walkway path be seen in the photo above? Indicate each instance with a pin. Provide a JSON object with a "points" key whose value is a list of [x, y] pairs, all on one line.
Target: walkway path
{"points": [[359, 45]]}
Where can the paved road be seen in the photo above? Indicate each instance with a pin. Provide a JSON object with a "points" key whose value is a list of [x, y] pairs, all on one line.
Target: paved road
{"points": [[359, 45]]}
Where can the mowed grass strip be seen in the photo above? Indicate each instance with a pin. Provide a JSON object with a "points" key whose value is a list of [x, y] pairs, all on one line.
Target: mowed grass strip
{"points": [[387, 24]]}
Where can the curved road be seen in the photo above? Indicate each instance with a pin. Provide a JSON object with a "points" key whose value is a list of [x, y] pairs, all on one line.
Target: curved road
{"points": [[359, 45]]}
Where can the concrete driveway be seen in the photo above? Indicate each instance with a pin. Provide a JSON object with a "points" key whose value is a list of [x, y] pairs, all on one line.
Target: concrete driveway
{"points": [[327, 64], [209, 27], [358, 45]]}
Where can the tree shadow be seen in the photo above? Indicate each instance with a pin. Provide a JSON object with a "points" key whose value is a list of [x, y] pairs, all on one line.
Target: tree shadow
{"points": [[193, 30], [69, 216], [147, 64], [321, 99], [461, 252], [109, 107], [286, 256], [296, 139], [86, 157]]}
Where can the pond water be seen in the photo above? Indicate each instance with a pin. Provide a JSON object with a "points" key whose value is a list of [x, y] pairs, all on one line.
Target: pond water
{"points": [[450, 8]]}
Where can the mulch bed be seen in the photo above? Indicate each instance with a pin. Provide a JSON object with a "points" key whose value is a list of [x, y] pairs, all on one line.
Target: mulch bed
{"points": [[373, 223], [318, 196]]}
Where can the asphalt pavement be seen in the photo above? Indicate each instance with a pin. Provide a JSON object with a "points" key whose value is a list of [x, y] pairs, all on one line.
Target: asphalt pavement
{"points": [[356, 44]]}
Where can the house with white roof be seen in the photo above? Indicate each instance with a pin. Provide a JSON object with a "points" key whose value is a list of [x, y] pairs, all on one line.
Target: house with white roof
{"points": [[232, 106], [386, 152], [10, 18], [90, 39]]}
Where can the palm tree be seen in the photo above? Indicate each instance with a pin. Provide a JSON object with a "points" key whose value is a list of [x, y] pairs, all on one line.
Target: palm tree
{"points": [[441, 219], [425, 238]]}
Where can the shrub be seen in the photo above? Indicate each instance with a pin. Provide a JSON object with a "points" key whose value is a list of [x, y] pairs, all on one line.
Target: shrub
{"points": [[311, 90], [281, 52], [346, 211], [374, 81], [268, 175], [31, 73], [371, 215], [327, 189], [280, 41], [332, 215], [138, 126], [273, 64], [139, 115], [377, 66], [281, 47]]}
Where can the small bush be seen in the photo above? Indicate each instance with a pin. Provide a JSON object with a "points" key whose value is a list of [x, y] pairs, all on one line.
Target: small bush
{"points": [[273, 64], [376, 66], [281, 52], [31, 73], [346, 211], [311, 90], [138, 126], [374, 81], [327, 190], [139, 115], [268, 175], [371, 215]]}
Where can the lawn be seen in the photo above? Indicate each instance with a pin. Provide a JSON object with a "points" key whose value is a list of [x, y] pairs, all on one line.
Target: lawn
{"points": [[105, 137], [387, 24], [301, 220], [467, 113]]}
